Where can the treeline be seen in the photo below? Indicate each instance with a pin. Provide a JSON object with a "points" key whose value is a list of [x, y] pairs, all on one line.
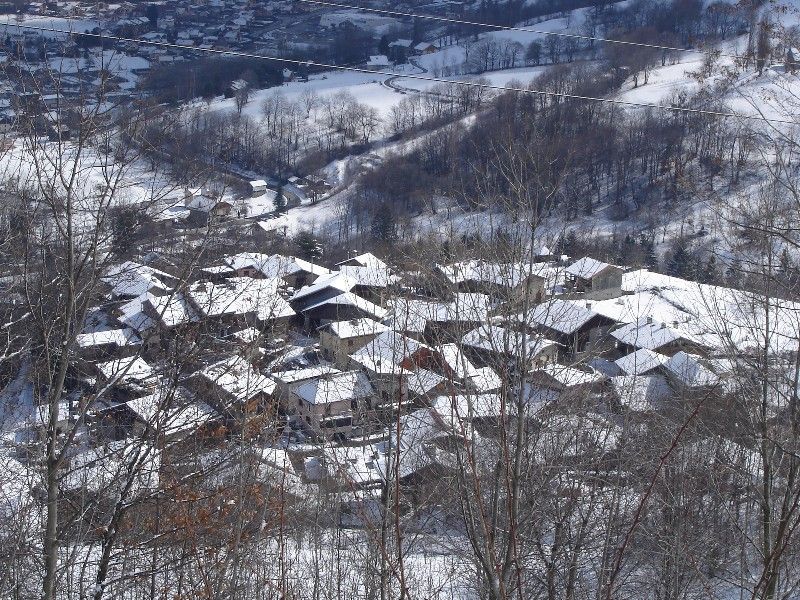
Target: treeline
{"points": [[572, 155], [208, 77]]}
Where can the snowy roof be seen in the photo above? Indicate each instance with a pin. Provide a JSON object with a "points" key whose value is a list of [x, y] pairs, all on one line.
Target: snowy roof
{"points": [[422, 381], [335, 387], [559, 315], [502, 274], [650, 334], [367, 259], [336, 281], [641, 361], [236, 377], [587, 267], [130, 368], [303, 374], [378, 60], [133, 279], [118, 337], [498, 339], [351, 299], [385, 353], [688, 370], [239, 296], [356, 328], [187, 415], [273, 265], [370, 276], [569, 376], [484, 380], [641, 393], [453, 356], [172, 310], [726, 320]]}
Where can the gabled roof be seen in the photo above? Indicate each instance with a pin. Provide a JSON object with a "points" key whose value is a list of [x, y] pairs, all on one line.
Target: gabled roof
{"points": [[336, 281], [118, 337], [297, 375], [356, 328], [385, 353], [641, 361], [370, 276], [273, 265], [649, 334], [559, 315], [126, 369], [501, 274], [336, 387], [239, 296], [641, 393], [689, 371], [235, 376], [351, 299], [587, 267], [133, 279], [493, 338], [422, 381]]}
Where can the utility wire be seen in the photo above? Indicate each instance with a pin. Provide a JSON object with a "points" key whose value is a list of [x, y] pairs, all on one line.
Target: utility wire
{"points": [[473, 84], [577, 36]]}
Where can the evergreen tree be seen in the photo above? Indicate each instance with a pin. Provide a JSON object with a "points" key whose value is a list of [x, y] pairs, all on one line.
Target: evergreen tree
{"points": [[280, 200], [308, 246], [709, 272], [650, 256], [680, 262], [383, 225]]}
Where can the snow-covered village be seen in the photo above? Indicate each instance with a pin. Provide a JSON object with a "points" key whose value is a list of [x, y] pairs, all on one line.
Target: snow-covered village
{"points": [[429, 300]]}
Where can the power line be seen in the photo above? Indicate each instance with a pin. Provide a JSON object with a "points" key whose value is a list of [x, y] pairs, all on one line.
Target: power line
{"points": [[474, 84], [577, 36]]}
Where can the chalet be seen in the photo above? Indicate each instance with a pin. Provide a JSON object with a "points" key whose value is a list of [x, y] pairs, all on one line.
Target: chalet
{"points": [[641, 362], [425, 48], [638, 395], [239, 302], [295, 272], [130, 280], [329, 299], [378, 61], [511, 282], [339, 339], [686, 372], [332, 405], [234, 388], [575, 327], [286, 381], [108, 343], [594, 279], [500, 347], [257, 187], [372, 282], [659, 337], [204, 207]]}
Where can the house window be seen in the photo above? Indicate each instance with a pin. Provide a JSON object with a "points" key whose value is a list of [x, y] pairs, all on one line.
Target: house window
{"points": [[354, 404]]}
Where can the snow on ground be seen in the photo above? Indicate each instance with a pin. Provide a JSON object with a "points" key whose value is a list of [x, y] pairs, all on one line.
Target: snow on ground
{"points": [[12, 25], [134, 183], [368, 88]]}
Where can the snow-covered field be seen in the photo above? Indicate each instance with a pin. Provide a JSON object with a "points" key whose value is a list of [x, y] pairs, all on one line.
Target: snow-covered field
{"points": [[13, 25]]}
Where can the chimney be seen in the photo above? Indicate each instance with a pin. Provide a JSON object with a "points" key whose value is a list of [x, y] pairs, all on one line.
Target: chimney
{"points": [[649, 320], [588, 305]]}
